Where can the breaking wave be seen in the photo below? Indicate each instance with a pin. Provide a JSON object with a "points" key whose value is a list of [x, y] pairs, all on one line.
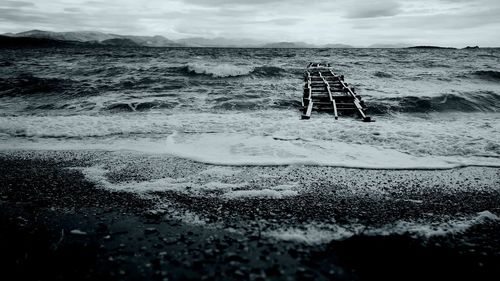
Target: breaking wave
{"points": [[230, 70], [218, 70]]}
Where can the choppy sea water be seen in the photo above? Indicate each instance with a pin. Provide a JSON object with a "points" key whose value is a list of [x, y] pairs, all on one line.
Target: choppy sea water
{"points": [[433, 108]]}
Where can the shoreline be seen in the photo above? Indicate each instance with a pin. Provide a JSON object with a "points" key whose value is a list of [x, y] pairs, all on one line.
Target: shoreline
{"points": [[58, 224]]}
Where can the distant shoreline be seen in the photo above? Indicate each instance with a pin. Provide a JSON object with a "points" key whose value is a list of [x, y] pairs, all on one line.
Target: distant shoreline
{"points": [[431, 47]]}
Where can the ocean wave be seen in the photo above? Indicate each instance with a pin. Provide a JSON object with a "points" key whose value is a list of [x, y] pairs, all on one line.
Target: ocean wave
{"points": [[26, 84], [382, 74], [256, 103], [155, 83], [230, 70], [268, 71], [238, 105], [490, 75], [81, 126], [139, 106], [487, 56], [218, 70], [432, 64], [481, 101]]}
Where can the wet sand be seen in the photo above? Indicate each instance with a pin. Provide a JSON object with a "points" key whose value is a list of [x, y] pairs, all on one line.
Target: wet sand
{"points": [[57, 224]]}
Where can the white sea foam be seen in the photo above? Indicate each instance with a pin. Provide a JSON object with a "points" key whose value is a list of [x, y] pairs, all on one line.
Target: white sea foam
{"points": [[312, 234], [219, 70], [429, 229], [225, 185], [193, 186], [237, 149], [78, 126], [269, 138], [97, 174], [324, 233]]}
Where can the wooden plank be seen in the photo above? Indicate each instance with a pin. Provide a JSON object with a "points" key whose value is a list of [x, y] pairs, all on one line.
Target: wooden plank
{"points": [[337, 77], [335, 109], [330, 96], [356, 102], [327, 85], [307, 115], [307, 97]]}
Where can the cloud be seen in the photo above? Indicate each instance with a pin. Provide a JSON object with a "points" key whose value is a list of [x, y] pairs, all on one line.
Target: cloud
{"points": [[16, 4], [357, 22], [282, 21], [458, 19], [72, 10], [21, 19], [374, 9], [222, 3], [19, 16]]}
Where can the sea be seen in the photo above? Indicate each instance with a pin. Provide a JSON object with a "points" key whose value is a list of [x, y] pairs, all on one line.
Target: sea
{"points": [[432, 108]]}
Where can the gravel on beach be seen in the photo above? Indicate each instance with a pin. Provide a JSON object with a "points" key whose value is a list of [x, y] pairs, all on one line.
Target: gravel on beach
{"points": [[55, 224]]}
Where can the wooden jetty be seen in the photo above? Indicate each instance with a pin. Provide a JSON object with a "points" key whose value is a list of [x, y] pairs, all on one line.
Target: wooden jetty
{"points": [[326, 91]]}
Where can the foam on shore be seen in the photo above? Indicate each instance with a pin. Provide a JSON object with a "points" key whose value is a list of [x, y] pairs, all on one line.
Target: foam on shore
{"points": [[324, 233], [242, 150], [269, 138]]}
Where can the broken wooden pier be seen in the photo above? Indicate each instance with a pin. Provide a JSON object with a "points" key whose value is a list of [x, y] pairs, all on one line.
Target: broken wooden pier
{"points": [[326, 91]]}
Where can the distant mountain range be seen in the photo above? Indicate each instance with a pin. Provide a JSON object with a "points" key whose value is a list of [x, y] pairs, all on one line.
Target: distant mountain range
{"points": [[49, 38], [99, 38]]}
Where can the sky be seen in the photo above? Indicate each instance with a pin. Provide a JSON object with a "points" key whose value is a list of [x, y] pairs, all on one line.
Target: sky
{"points": [[455, 23]]}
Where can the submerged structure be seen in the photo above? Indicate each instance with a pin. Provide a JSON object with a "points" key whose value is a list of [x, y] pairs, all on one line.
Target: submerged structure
{"points": [[326, 91]]}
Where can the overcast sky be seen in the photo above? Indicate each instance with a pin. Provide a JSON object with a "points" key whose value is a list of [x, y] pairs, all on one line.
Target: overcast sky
{"points": [[357, 22]]}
